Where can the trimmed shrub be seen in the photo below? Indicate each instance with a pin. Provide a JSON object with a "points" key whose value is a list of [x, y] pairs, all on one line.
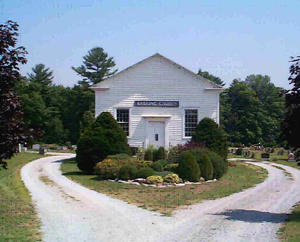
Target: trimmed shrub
{"points": [[206, 167], [148, 154], [174, 154], [105, 137], [145, 172], [162, 162], [219, 164], [157, 166], [188, 168], [154, 180], [204, 163], [172, 178], [159, 154], [143, 164], [127, 172], [212, 135], [121, 156], [171, 167], [107, 169]]}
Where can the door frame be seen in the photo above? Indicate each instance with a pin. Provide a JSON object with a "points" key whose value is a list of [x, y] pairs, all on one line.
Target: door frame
{"points": [[158, 119]]}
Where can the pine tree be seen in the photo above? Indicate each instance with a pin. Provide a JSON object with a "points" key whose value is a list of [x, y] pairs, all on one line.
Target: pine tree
{"points": [[96, 66]]}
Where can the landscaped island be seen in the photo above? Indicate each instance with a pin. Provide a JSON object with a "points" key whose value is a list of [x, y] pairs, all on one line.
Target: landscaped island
{"points": [[239, 176]]}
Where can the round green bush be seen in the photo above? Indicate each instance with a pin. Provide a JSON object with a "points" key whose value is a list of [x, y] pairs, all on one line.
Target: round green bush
{"points": [[204, 163], [145, 172], [219, 164], [127, 172], [188, 168], [105, 137], [172, 178], [107, 169], [212, 135], [154, 180]]}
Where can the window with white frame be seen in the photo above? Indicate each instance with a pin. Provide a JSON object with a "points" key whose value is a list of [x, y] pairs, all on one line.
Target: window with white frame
{"points": [[123, 119], [190, 121]]}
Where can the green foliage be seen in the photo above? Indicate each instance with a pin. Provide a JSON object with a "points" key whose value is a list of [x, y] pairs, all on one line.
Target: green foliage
{"points": [[172, 178], [11, 124], [159, 154], [154, 180], [107, 169], [96, 66], [162, 173], [157, 166], [145, 172], [220, 165], [252, 110], [204, 163], [148, 155], [121, 156], [171, 167], [214, 137], [290, 124], [188, 168], [104, 138], [127, 172], [211, 77], [174, 154]]}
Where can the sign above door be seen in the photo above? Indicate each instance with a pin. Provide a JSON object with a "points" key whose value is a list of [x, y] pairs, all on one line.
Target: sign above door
{"points": [[166, 104]]}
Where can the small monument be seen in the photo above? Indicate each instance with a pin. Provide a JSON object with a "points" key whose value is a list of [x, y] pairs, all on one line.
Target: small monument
{"points": [[291, 157]]}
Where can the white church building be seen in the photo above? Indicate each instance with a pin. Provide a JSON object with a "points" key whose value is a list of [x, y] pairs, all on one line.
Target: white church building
{"points": [[157, 101]]}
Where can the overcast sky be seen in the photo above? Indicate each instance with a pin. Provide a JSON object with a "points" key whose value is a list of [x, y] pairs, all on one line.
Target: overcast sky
{"points": [[230, 39]]}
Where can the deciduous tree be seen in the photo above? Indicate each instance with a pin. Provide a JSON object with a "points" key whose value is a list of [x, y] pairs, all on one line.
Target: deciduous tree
{"points": [[290, 125], [11, 124]]}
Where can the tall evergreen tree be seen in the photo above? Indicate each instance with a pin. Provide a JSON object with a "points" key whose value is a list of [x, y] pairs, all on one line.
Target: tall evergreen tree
{"points": [[11, 124], [290, 125], [96, 66]]}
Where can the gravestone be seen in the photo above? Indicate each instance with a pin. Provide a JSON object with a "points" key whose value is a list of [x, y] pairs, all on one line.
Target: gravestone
{"points": [[291, 157], [265, 156], [36, 147]]}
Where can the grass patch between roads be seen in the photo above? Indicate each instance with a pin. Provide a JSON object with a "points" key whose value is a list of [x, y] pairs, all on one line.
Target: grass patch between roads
{"points": [[165, 200], [291, 229], [18, 221]]}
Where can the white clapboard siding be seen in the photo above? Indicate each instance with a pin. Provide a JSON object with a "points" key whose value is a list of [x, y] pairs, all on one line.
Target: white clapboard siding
{"points": [[157, 79]]}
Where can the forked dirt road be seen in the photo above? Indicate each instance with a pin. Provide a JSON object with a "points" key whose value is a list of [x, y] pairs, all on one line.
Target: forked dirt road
{"points": [[70, 212]]}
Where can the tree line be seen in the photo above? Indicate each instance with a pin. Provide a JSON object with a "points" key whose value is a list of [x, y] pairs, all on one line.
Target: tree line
{"points": [[34, 109]]}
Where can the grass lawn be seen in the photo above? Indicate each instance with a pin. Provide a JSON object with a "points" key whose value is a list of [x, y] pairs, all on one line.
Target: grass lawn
{"points": [[165, 200], [291, 229], [288, 163], [18, 221]]}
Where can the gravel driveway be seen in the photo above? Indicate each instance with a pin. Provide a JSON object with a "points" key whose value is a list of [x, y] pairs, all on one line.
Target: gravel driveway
{"points": [[70, 212]]}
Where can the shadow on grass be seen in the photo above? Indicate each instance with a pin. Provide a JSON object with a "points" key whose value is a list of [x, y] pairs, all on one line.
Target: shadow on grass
{"points": [[75, 173], [70, 160], [253, 216]]}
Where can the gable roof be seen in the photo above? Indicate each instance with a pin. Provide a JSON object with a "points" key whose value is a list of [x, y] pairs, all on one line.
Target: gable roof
{"points": [[214, 85]]}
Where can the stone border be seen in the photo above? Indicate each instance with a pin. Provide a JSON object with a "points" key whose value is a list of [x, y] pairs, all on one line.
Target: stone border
{"points": [[142, 182]]}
